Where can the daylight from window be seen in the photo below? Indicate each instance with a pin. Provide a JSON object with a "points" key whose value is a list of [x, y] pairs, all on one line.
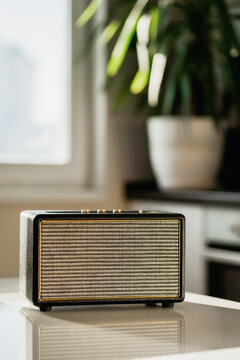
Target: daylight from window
{"points": [[34, 82]]}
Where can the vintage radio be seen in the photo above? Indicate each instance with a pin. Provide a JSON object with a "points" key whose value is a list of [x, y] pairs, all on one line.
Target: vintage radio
{"points": [[101, 257]]}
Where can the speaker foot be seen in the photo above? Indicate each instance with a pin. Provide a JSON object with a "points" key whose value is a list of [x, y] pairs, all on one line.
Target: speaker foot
{"points": [[167, 304], [45, 308]]}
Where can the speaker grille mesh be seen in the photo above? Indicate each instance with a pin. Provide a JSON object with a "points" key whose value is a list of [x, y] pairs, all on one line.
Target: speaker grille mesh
{"points": [[108, 259]]}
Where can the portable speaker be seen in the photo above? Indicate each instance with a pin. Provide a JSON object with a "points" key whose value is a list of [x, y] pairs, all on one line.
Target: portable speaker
{"points": [[101, 257]]}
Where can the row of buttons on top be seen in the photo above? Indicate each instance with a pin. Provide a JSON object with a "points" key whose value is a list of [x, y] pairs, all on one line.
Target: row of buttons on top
{"points": [[114, 211]]}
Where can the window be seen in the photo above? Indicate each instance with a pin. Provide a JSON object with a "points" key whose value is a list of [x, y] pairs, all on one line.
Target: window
{"points": [[50, 131], [34, 82]]}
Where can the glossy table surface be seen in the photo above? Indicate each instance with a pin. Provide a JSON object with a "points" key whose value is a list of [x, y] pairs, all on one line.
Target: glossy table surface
{"points": [[199, 328]]}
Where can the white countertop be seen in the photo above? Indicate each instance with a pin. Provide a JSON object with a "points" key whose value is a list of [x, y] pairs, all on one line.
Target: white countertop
{"points": [[201, 327]]}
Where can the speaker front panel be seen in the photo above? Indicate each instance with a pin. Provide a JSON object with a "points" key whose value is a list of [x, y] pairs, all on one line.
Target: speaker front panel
{"points": [[109, 260]]}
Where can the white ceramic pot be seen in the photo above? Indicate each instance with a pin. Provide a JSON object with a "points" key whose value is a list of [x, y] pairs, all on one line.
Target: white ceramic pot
{"points": [[184, 152]]}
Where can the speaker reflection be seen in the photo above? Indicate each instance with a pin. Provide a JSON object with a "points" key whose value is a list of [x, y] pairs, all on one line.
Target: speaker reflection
{"points": [[106, 332]]}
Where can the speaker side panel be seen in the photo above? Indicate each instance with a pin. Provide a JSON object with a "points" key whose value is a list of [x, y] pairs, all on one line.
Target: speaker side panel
{"points": [[26, 255]]}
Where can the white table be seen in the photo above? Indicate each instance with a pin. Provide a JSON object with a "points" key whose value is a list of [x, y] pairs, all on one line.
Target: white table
{"points": [[199, 328]]}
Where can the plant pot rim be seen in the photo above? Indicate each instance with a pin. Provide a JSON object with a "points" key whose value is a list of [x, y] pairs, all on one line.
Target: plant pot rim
{"points": [[181, 118]]}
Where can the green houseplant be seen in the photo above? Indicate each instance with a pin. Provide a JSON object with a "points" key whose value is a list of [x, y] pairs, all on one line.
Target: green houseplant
{"points": [[176, 60]]}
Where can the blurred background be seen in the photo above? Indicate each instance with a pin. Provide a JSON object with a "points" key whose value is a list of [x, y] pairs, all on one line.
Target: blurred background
{"points": [[125, 104]]}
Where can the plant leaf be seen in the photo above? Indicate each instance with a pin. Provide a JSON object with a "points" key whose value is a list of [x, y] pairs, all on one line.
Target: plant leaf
{"points": [[175, 74], [109, 31], [88, 13], [169, 96], [235, 16], [185, 88], [139, 82], [155, 15], [230, 40], [125, 38]]}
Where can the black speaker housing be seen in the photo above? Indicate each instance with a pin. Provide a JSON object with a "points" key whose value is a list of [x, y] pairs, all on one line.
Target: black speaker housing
{"points": [[30, 251]]}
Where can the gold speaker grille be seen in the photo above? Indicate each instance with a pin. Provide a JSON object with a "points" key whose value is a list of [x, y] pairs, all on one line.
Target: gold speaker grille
{"points": [[109, 259]]}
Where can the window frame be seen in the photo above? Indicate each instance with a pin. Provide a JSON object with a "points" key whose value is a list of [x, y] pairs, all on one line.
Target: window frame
{"points": [[85, 173]]}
